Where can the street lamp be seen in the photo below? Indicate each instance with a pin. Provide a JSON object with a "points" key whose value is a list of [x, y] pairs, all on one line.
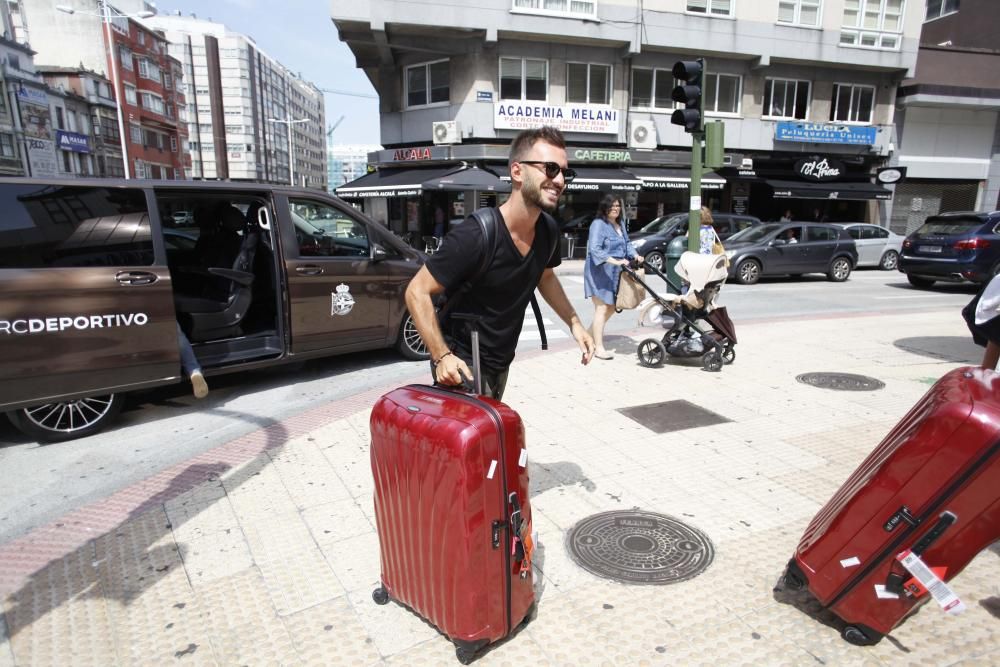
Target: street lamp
{"points": [[105, 17], [291, 157]]}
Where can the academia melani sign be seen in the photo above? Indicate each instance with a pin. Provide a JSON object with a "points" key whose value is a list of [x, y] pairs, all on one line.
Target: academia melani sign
{"points": [[568, 118]]}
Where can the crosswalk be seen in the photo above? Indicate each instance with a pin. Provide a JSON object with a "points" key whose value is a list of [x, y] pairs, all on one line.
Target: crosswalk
{"points": [[553, 330]]}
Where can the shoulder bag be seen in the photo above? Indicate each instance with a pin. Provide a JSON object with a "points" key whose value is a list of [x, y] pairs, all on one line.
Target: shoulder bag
{"points": [[630, 293]]}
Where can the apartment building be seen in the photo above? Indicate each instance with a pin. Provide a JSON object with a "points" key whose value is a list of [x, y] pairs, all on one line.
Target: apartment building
{"points": [[149, 83], [796, 82], [947, 116], [249, 117], [90, 143]]}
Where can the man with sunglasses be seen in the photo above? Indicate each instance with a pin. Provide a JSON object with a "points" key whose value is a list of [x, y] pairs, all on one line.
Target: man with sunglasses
{"points": [[497, 294]]}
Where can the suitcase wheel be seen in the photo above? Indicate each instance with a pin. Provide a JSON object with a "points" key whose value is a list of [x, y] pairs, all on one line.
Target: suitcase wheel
{"points": [[466, 651], [380, 595], [793, 579], [860, 635]]}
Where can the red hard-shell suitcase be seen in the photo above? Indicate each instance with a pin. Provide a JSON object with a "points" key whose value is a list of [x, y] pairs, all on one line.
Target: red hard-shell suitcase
{"points": [[932, 487], [452, 512]]}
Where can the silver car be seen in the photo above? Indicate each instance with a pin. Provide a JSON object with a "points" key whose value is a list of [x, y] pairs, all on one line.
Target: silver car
{"points": [[877, 246]]}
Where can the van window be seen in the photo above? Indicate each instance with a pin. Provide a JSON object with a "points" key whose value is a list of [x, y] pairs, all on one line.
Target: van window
{"points": [[45, 226], [822, 234], [322, 230]]}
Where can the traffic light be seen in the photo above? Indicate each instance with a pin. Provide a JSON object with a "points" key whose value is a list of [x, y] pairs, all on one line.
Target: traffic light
{"points": [[688, 93]]}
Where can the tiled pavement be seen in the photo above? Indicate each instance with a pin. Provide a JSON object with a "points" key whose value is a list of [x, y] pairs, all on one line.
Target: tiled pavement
{"points": [[264, 551]]}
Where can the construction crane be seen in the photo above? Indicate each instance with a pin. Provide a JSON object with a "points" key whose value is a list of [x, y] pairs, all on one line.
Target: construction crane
{"points": [[335, 126]]}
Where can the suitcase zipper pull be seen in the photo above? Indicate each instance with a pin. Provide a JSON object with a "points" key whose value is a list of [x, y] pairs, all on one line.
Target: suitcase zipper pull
{"points": [[901, 515]]}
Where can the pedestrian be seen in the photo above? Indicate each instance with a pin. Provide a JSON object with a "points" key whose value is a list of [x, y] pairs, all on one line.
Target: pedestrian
{"points": [[982, 315], [526, 252], [190, 365], [608, 249], [438, 222], [787, 217], [706, 234]]}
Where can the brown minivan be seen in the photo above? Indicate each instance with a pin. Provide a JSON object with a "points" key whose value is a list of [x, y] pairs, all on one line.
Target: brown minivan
{"points": [[95, 276]]}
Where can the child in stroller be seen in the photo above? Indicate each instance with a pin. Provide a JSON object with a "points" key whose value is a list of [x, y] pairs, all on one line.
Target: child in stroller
{"points": [[704, 276]]}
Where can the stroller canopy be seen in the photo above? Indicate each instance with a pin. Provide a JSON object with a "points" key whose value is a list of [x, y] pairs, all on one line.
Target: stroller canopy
{"points": [[698, 270]]}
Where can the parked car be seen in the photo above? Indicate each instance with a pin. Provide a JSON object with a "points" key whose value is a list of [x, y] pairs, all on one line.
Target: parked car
{"points": [[652, 240], [877, 246], [792, 248], [93, 282], [953, 247]]}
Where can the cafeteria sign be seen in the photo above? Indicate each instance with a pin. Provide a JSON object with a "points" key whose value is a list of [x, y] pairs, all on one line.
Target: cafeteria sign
{"points": [[568, 118], [818, 133]]}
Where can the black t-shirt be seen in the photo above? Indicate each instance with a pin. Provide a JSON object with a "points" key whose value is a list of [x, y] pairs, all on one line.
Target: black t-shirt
{"points": [[501, 294]]}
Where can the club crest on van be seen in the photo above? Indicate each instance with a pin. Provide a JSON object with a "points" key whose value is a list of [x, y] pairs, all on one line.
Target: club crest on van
{"points": [[341, 301]]}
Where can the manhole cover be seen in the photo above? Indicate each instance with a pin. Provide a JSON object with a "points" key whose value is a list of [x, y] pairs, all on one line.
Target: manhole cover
{"points": [[841, 381], [637, 547], [671, 416]]}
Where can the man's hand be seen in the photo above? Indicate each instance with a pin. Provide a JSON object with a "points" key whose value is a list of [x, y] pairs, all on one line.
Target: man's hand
{"points": [[450, 370], [584, 340]]}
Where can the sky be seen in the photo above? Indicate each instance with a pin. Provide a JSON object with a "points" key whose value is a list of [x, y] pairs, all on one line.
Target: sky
{"points": [[300, 35]]}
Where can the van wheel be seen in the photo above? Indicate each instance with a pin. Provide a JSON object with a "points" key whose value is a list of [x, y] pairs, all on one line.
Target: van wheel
{"points": [[66, 420], [409, 343]]}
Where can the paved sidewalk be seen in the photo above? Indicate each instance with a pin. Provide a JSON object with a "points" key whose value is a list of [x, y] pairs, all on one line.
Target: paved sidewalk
{"points": [[263, 551]]}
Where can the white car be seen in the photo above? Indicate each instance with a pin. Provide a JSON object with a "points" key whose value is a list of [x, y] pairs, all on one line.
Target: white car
{"points": [[877, 246]]}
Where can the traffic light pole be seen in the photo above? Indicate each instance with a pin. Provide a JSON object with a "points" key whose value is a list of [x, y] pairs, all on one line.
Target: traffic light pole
{"points": [[694, 211]]}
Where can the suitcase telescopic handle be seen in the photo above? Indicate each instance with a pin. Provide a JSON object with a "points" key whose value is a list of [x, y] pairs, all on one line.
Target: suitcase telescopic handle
{"points": [[894, 580], [477, 371]]}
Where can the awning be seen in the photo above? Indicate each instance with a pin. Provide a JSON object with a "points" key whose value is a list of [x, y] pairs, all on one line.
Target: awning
{"points": [[390, 183], [467, 178], [598, 178], [662, 178], [832, 190]]}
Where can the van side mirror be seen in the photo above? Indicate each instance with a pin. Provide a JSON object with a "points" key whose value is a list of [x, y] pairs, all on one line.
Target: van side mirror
{"points": [[779, 242], [378, 253]]}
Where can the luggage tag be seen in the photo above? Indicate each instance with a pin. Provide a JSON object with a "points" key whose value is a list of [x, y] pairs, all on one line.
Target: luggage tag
{"points": [[925, 576]]}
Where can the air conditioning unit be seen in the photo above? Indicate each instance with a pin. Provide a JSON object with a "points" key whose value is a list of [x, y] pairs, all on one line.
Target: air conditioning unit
{"points": [[746, 163], [642, 134], [446, 132]]}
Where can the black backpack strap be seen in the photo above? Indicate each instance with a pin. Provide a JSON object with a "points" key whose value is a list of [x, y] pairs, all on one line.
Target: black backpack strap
{"points": [[487, 219]]}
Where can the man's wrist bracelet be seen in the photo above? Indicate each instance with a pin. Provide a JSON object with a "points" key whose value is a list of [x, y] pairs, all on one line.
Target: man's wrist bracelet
{"points": [[438, 360]]}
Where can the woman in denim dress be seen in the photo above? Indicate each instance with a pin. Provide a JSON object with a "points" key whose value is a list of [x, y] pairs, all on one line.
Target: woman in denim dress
{"points": [[608, 249]]}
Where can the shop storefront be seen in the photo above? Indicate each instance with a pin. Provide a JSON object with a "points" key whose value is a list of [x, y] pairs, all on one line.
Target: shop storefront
{"points": [[411, 194]]}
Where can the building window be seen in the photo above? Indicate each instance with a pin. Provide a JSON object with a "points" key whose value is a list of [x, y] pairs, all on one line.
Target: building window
{"points": [[125, 56], [60, 123], [427, 83], [722, 93], [938, 8], [524, 79], [166, 81], [713, 7], [152, 102], [852, 104], [589, 84], [651, 88], [7, 145], [583, 8], [173, 144], [799, 12], [786, 98], [14, 61], [141, 37], [136, 133], [149, 70], [873, 24], [130, 95], [67, 162]]}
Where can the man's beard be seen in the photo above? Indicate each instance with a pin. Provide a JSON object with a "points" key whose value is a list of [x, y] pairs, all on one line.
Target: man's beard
{"points": [[531, 191]]}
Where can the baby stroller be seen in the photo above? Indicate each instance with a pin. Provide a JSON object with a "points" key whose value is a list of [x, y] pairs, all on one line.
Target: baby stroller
{"points": [[678, 313]]}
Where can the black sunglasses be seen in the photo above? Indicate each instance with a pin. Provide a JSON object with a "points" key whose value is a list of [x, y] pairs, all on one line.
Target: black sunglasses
{"points": [[552, 169]]}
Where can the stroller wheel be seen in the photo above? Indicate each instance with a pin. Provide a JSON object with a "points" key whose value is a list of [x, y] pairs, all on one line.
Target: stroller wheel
{"points": [[651, 353], [712, 362], [729, 355]]}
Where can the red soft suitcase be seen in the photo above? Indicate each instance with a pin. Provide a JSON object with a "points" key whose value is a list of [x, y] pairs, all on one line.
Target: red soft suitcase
{"points": [[932, 487], [452, 512]]}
